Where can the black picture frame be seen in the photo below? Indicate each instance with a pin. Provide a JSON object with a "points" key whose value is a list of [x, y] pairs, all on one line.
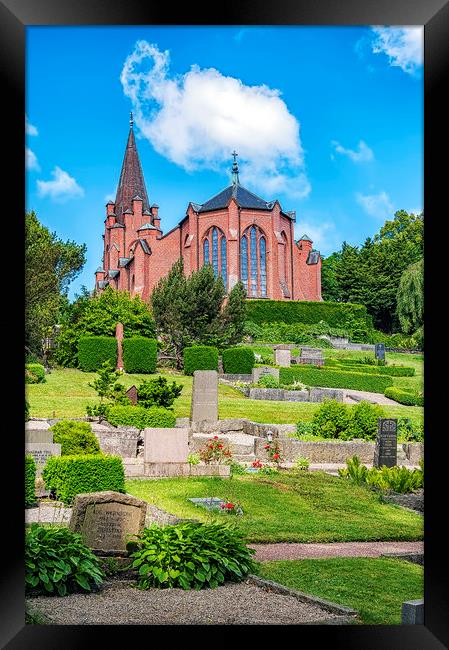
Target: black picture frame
{"points": [[15, 15]]}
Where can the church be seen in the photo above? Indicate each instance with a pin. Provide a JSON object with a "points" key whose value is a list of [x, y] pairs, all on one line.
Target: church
{"points": [[240, 234]]}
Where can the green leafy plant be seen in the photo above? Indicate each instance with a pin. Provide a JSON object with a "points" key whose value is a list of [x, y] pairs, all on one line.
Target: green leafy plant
{"points": [[30, 480], [410, 431], [364, 420], [397, 479], [200, 357], [34, 373], [354, 470], [191, 555], [27, 410], [93, 351], [57, 562], [231, 507], [75, 438], [215, 451], [141, 417], [273, 451], [109, 390], [332, 420], [193, 459], [408, 398], [67, 476], [158, 392], [305, 429], [268, 471], [139, 354], [236, 468], [238, 360], [301, 463], [268, 381]]}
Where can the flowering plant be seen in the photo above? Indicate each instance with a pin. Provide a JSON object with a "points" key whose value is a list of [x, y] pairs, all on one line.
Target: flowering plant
{"points": [[233, 508], [273, 451], [215, 451], [257, 463]]}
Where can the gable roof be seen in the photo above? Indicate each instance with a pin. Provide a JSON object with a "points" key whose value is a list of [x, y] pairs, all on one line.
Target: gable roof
{"points": [[243, 197]]}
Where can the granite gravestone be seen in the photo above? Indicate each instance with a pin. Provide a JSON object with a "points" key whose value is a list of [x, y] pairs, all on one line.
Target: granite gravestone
{"points": [[106, 520], [41, 452], [386, 450], [204, 396], [264, 370], [379, 351], [282, 358]]}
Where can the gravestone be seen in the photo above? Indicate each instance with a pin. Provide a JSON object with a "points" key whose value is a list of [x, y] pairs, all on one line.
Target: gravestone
{"points": [[386, 450], [38, 431], [412, 612], [264, 370], [119, 337], [204, 396], [379, 351], [166, 452], [310, 356], [41, 452], [282, 358], [106, 519], [131, 394]]}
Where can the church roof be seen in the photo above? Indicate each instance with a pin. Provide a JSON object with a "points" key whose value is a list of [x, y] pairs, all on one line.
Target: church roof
{"points": [[243, 197], [132, 182]]}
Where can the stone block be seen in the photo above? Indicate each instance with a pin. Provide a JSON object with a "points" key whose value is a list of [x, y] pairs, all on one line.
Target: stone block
{"points": [[319, 394], [134, 467], [167, 469], [39, 436], [264, 370], [37, 425], [413, 612], [204, 404], [282, 358], [166, 445], [210, 470], [41, 452], [319, 452], [107, 519]]}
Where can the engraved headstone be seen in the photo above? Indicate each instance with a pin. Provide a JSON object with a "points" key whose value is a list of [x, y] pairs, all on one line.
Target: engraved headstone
{"points": [[106, 520], [204, 396], [41, 452], [282, 357], [386, 449], [379, 350], [264, 370]]}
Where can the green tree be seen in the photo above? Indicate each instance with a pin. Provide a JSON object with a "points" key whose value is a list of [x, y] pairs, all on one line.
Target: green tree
{"points": [[330, 289], [410, 298], [50, 266], [234, 315]]}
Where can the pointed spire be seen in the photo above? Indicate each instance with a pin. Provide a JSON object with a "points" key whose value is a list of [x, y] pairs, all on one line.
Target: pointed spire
{"points": [[235, 169], [132, 182]]}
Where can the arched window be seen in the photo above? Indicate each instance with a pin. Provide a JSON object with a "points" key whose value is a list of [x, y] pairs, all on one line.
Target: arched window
{"points": [[253, 261], [253, 251], [244, 261], [223, 261], [215, 251], [206, 252], [263, 266]]}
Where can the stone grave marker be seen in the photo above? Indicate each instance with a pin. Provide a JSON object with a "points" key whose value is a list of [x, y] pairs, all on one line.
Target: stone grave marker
{"points": [[264, 370], [386, 449], [379, 351], [412, 612], [41, 452], [106, 519], [204, 396], [166, 451], [131, 394], [282, 358]]}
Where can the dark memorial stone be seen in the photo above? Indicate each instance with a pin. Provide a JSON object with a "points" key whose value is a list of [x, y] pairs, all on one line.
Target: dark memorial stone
{"points": [[386, 450], [379, 350]]}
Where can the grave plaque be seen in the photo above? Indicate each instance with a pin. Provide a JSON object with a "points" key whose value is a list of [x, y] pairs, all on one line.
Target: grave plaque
{"points": [[386, 450], [41, 452], [379, 350], [105, 520], [264, 370], [204, 396]]}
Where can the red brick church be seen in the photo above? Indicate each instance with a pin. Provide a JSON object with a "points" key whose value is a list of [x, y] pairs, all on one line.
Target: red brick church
{"points": [[241, 235]]}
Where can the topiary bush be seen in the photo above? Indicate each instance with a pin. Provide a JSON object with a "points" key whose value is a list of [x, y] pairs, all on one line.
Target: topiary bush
{"points": [[158, 392], [141, 417], [34, 373], [366, 369], [330, 378], [404, 397], [93, 351], [332, 420], [364, 420], [57, 562], [139, 354], [191, 555], [30, 480], [68, 476], [238, 361], [75, 438], [335, 314], [200, 357]]}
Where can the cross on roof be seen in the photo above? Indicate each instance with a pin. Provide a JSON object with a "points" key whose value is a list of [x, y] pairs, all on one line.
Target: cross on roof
{"points": [[234, 155]]}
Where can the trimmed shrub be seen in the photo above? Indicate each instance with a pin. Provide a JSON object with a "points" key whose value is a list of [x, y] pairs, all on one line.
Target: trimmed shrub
{"points": [[238, 361], [141, 417], [364, 420], [75, 438], [390, 371], [327, 378], [139, 354], [335, 314], [68, 476], [158, 392], [93, 351], [404, 397], [30, 479], [57, 562], [332, 420], [200, 357], [34, 373], [191, 555]]}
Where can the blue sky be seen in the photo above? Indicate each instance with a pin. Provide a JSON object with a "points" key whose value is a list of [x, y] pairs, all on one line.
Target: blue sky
{"points": [[329, 120]]}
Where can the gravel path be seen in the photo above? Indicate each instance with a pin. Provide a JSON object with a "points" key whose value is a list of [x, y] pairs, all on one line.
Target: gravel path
{"points": [[296, 551], [232, 604], [374, 398]]}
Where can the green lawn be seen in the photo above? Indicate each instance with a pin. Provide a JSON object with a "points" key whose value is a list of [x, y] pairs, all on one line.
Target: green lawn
{"points": [[314, 507], [66, 393], [375, 587]]}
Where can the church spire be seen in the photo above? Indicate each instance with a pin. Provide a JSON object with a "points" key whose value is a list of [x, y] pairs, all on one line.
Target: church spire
{"points": [[132, 182], [235, 169]]}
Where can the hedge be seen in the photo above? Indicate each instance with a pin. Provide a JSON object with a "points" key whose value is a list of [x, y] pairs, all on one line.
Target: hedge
{"points": [[404, 397], [75, 438], [238, 361], [30, 479], [335, 314], [139, 354], [93, 351], [141, 417], [390, 371], [68, 476], [326, 378], [200, 357], [34, 373]]}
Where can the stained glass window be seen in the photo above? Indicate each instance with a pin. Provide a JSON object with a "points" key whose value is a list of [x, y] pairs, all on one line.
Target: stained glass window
{"points": [[215, 251], [206, 251], [223, 260], [263, 266], [244, 261], [253, 245]]}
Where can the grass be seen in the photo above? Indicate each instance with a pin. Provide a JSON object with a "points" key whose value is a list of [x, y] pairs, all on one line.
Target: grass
{"points": [[66, 393], [375, 587], [313, 507]]}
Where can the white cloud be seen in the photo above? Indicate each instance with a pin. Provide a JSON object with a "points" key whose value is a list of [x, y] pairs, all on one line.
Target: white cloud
{"points": [[31, 161], [197, 119], [364, 153], [404, 46], [322, 233], [62, 188], [29, 128], [376, 205]]}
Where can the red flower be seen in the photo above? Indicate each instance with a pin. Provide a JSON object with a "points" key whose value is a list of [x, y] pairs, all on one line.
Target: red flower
{"points": [[229, 506], [215, 437], [275, 456]]}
